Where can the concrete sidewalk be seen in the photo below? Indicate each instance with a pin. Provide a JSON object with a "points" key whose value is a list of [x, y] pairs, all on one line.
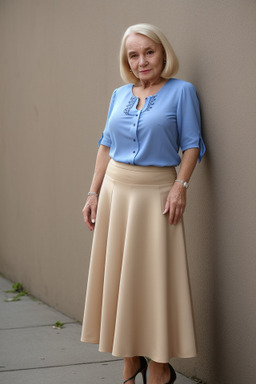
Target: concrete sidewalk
{"points": [[33, 352]]}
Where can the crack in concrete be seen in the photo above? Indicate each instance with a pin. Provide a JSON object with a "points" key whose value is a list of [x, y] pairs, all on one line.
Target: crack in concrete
{"points": [[60, 366]]}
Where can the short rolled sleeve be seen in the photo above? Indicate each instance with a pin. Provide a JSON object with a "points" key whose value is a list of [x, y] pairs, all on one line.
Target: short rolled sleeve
{"points": [[105, 138], [189, 120]]}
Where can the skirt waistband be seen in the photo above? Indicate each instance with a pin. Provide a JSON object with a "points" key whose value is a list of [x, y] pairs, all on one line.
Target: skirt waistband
{"points": [[137, 174]]}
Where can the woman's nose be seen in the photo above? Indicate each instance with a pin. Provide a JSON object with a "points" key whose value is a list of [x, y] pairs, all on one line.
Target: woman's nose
{"points": [[142, 60]]}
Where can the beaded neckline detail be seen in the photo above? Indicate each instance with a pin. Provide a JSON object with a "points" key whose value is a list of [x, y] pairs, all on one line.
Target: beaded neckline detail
{"points": [[151, 103], [132, 101], [130, 105]]}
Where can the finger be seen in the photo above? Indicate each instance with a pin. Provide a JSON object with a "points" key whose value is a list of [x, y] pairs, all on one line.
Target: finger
{"points": [[172, 214], [93, 214], [88, 223], [86, 212], [177, 216], [87, 217], [175, 213], [166, 208]]}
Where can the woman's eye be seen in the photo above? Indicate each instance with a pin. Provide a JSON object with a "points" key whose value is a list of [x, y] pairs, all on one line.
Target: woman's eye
{"points": [[133, 56], [150, 52]]}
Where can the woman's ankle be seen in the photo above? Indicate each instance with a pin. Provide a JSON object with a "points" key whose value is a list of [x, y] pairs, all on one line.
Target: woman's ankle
{"points": [[159, 370], [131, 366]]}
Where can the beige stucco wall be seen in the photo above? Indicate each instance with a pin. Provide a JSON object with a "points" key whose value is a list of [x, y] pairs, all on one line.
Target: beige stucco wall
{"points": [[58, 68]]}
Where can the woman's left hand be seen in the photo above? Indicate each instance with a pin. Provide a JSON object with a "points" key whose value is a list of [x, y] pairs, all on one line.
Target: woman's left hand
{"points": [[175, 203]]}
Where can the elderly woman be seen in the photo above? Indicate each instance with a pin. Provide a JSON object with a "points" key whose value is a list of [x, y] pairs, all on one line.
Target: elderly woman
{"points": [[138, 299]]}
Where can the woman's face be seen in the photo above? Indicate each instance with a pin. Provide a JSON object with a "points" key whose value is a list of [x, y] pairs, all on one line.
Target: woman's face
{"points": [[145, 57]]}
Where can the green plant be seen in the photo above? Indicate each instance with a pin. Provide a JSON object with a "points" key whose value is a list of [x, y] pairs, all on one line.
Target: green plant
{"points": [[16, 288], [58, 325]]}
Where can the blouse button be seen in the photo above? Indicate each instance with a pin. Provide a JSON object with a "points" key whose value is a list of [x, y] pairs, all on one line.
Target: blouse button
{"points": [[134, 139], [133, 151]]}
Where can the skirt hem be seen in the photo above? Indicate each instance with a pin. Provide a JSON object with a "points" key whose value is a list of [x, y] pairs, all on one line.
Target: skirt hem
{"points": [[155, 358]]}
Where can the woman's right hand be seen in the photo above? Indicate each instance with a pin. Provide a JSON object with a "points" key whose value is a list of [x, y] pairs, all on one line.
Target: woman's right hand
{"points": [[90, 208], [90, 211]]}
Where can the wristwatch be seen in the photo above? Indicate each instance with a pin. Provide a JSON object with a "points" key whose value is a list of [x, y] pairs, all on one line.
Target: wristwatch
{"points": [[184, 183]]}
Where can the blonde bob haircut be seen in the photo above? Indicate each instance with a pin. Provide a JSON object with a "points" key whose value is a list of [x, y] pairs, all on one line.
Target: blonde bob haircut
{"points": [[170, 67]]}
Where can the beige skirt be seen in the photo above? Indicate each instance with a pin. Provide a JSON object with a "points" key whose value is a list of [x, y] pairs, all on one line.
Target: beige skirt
{"points": [[138, 299]]}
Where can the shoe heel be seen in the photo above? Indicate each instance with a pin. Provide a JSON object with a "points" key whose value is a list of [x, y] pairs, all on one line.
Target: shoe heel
{"points": [[144, 375], [173, 376]]}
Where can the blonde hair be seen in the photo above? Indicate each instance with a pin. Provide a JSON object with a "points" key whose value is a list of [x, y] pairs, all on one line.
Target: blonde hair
{"points": [[171, 66]]}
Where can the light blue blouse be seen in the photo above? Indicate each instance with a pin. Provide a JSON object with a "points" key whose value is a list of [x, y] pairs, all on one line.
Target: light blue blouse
{"points": [[169, 121]]}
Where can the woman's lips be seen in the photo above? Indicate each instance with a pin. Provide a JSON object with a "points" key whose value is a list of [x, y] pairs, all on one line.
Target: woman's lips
{"points": [[145, 71]]}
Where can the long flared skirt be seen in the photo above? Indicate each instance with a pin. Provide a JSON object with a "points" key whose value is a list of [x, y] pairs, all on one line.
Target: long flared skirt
{"points": [[138, 298]]}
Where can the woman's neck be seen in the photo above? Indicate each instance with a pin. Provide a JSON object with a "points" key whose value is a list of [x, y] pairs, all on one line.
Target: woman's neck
{"points": [[150, 84]]}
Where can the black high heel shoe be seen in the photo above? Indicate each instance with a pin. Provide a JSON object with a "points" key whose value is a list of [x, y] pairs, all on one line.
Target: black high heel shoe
{"points": [[142, 370], [173, 375]]}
